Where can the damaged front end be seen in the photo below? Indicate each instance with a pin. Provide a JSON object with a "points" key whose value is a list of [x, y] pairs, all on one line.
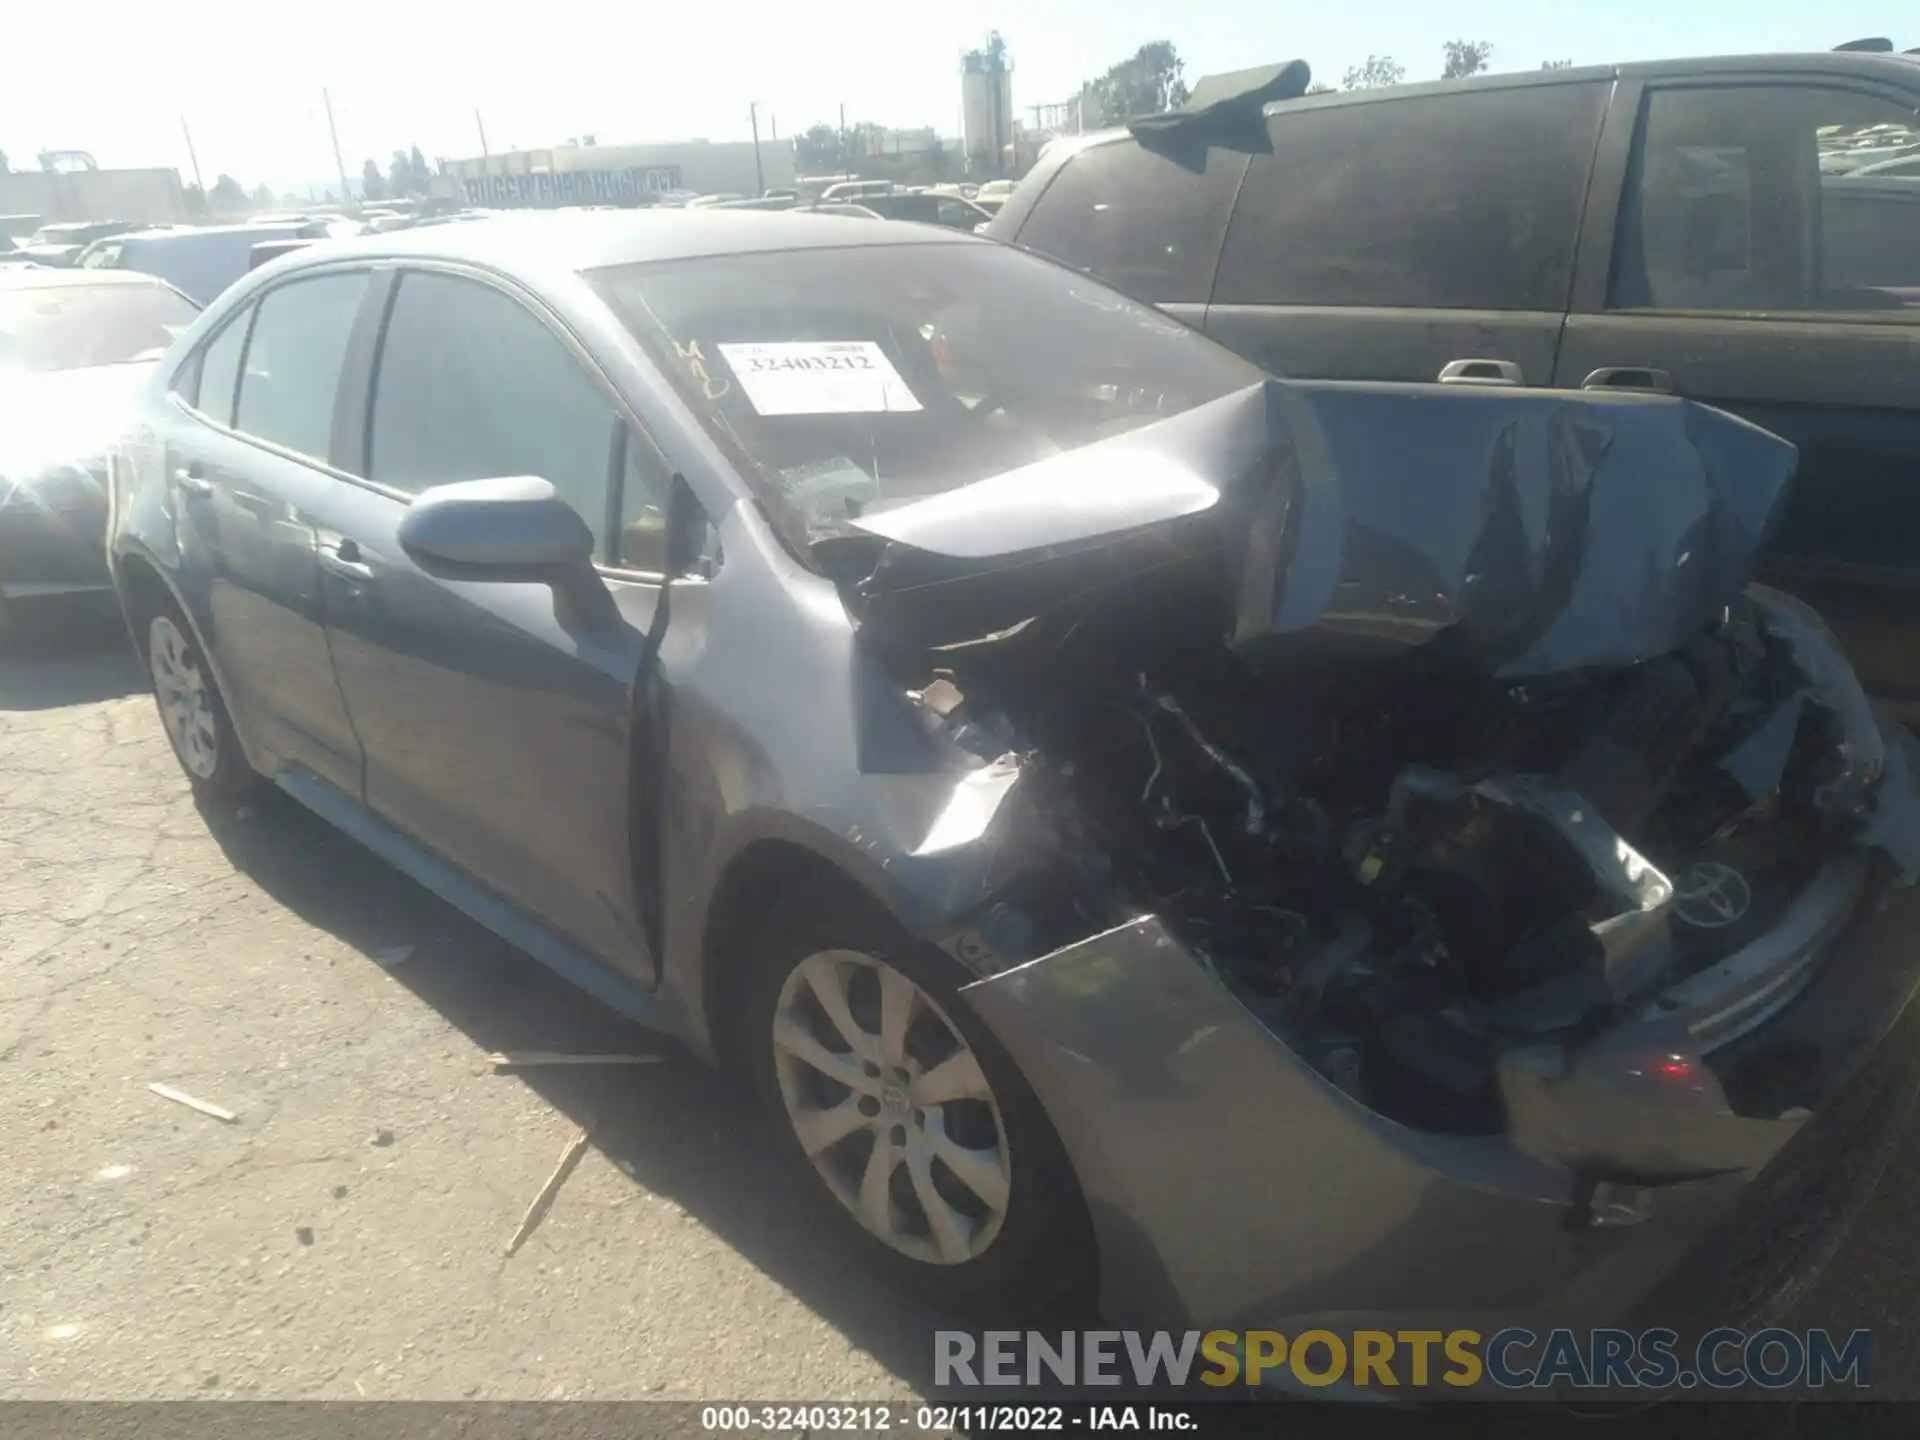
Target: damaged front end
{"points": [[1445, 732]]}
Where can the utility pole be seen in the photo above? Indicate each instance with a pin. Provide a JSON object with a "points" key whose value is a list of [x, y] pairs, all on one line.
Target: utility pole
{"points": [[759, 175], [481, 125], [346, 192], [844, 156], [198, 184]]}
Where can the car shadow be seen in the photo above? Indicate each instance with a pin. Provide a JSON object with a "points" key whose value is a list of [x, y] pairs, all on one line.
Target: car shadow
{"points": [[677, 1128], [76, 654]]}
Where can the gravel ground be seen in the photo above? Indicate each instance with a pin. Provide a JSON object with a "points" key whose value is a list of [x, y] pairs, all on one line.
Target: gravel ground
{"points": [[345, 1237]]}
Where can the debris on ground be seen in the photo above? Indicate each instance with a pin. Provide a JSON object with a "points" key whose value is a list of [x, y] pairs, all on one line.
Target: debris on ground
{"points": [[339, 1192], [531, 1059], [304, 1234], [180, 1097], [569, 1158], [381, 1139], [389, 956]]}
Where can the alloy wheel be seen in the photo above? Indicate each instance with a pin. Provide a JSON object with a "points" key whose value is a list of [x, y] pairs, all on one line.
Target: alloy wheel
{"points": [[186, 702], [892, 1108]]}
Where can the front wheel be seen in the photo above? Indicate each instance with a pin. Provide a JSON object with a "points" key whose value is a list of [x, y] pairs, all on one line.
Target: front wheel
{"points": [[192, 711], [904, 1119]]}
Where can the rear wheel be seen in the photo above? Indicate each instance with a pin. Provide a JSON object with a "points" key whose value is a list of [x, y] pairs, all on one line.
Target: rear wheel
{"points": [[903, 1119], [192, 710]]}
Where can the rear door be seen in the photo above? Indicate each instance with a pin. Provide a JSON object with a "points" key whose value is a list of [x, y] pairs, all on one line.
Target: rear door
{"points": [[496, 723], [1386, 239], [248, 466], [1740, 275]]}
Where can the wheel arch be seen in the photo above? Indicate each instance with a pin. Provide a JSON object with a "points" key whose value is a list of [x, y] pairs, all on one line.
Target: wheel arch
{"points": [[756, 881], [142, 586]]}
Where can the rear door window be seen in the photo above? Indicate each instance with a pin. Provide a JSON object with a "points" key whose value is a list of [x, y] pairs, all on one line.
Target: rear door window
{"points": [[294, 358], [210, 382], [1145, 223], [1760, 197], [1463, 201]]}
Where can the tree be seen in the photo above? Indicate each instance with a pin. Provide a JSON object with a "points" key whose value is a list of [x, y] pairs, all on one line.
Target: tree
{"points": [[1379, 72], [1465, 57], [417, 163], [941, 162], [373, 185], [1556, 64], [819, 151], [400, 175], [227, 194], [1147, 82], [5, 169], [263, 198], [1316, 88]]}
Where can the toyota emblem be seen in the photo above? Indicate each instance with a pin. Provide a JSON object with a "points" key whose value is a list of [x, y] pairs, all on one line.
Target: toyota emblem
{"points": [[1711, 896]]}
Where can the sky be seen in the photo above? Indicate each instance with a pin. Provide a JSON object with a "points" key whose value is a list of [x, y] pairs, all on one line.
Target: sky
{"points": [[248, 77]]}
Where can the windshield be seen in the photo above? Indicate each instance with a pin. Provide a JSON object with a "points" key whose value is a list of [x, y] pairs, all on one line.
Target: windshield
{"points": [[71, 327], [847, 380]]}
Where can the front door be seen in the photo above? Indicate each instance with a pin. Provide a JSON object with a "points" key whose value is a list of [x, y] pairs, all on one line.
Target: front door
{"points": [[246, 464], [1752, 269], [496, 722]]}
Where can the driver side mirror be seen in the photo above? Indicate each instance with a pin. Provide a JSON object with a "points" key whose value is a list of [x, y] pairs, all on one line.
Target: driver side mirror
{"points": [[515, 529]]}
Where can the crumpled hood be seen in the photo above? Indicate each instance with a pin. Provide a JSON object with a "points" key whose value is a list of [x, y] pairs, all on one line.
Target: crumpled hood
{"points": [[1519, 532], [64, 417]]}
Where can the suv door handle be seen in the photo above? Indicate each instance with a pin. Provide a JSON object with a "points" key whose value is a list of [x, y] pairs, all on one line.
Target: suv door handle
{"points": [[190, 480], [1481, 372], [1629, 377]]}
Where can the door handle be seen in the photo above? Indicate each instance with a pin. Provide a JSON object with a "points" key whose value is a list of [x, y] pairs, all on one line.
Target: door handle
{"points": [[344, 560], [193, 483], [1629, 377], [1481, 372]]}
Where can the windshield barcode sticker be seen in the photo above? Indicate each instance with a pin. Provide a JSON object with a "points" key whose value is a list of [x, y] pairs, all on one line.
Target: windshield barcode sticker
{"points": [[819, 377]]}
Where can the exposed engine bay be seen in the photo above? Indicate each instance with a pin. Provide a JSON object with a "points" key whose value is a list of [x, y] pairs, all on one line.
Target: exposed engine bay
{"points": [[1407, 877], [1431, 750]]}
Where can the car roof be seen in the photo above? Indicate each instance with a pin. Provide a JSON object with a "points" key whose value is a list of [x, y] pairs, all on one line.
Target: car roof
{"points": [[14, 277], [595, 239], [1903, 70], [189, 232]]}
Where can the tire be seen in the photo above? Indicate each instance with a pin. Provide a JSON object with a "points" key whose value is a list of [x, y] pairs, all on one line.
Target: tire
{"points": [[1021, 1239], [192, 710]]}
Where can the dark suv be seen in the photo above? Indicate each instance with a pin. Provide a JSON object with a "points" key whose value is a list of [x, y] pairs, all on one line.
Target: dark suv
{"points": [[1659, 226]]}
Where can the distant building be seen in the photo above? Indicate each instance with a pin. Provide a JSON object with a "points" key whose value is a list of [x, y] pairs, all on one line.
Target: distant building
{"points": [[154, 197], [615, 174], [986, 111], [906, 142]]}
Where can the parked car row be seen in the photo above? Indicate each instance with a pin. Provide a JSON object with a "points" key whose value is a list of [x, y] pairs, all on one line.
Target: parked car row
{"points": [[1045, 752], [75, 346]]}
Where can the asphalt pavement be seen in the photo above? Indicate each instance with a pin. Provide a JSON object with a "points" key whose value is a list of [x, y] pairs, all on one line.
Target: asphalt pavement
{"points": [[345, 1235]]}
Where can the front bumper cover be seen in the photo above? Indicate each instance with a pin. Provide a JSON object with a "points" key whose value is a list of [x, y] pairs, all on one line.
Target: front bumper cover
{"points": [[1232, 1186]]}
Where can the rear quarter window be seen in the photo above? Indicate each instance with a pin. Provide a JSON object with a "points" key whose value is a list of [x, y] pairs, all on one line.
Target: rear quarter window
{"points": [[1146, 223], [1469, 200]]}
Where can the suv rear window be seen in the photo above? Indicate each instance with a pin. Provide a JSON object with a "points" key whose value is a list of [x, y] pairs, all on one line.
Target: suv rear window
{"points": [[1467, 201], [1144, 223]]}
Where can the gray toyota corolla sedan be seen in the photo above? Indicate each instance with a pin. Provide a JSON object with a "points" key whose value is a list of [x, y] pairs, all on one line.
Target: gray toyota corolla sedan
{"points": [[1271, 851]]}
